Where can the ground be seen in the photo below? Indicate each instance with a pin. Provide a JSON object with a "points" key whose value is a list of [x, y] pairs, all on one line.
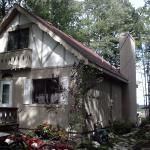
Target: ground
{"points": [[137, 139]]}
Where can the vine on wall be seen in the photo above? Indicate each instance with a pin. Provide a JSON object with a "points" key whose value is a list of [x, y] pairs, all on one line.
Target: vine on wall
{"points": [[83, 78]]}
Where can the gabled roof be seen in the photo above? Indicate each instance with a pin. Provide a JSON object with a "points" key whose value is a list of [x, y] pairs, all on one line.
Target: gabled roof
{"points": [[79, 47]]}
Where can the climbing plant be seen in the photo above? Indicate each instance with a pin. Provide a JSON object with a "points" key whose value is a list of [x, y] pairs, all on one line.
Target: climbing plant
{"points": [[83, 78]]}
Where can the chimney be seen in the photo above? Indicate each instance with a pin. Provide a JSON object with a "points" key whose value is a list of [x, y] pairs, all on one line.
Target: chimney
{"points": [[128, 70]]}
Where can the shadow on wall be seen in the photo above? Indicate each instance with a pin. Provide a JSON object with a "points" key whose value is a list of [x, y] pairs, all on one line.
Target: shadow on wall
{"points": [[47, 52], [98, 104], [31, 115]]}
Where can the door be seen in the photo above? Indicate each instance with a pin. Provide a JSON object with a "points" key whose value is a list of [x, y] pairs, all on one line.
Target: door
{"points": [[6, 94]]}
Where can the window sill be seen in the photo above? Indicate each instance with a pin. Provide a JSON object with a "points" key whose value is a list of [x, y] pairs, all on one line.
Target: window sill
{"points": [[45, 105]]}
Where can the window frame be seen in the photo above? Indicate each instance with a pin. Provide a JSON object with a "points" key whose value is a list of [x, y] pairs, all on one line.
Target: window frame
{"points": [[46, 101], [10, 83], [17, 36]]}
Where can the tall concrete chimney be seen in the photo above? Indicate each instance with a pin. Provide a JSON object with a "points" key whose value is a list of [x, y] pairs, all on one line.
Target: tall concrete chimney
{"points": [[128, 69]]}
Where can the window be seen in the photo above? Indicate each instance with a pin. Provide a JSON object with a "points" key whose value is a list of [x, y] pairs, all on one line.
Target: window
{"points": [[18, 39], [46, 91], [5, 94]]}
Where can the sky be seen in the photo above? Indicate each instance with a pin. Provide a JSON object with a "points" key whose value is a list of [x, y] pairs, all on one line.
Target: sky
{"points": [[137, 3]]}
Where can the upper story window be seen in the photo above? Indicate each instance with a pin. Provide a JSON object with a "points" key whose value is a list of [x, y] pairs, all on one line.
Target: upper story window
{"points": [[18, 39]]}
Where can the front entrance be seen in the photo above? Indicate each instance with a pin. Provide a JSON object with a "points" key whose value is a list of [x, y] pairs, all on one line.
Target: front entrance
{"points": [[6, 94]]}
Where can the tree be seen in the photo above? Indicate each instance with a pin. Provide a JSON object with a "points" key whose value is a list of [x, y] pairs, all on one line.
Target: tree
{"points": [[5, 5], [144, 52], [108, 18], [61, 13]]}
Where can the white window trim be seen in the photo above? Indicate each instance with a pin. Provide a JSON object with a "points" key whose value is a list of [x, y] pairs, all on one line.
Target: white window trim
{"points": [[10, 82], [64, 80]]}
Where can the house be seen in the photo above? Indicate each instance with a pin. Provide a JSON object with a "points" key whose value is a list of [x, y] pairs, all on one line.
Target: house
{"points": [[36, 59]]}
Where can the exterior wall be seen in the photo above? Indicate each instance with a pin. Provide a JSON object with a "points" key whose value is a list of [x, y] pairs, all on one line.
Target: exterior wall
{"points": [[49, 59], [98, 103], [18, 20], [45, 51], [31, 115], [116, 101], [103, 103]]}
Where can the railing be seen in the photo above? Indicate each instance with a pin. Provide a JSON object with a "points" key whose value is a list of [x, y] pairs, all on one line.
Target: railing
{"points": [[8, 115], [16, 59]]}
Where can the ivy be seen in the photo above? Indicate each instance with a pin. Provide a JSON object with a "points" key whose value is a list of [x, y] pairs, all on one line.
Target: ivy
{"points": [[83, 78]]}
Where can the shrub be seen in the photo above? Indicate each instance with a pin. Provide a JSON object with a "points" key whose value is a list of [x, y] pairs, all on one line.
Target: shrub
{"points": [[88, 145], [120, 127], [48, 131], [144, 122]]}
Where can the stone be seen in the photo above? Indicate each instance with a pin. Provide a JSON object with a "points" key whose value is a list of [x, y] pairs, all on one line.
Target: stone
{"points": [[95, 144]]}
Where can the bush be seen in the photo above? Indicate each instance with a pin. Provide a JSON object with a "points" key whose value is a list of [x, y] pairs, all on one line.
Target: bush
{"points": [[120, 127], [88, 145], [144, 122], [48, 131]]}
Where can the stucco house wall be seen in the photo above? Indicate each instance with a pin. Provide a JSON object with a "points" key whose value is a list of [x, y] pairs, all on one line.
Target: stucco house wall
{"points": [[46, 52], [103, 103], [49, 59], [31, 115]]}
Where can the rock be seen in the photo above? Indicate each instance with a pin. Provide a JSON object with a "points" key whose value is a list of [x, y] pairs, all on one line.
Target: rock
{"points": [[147, 135], [95, 144]]}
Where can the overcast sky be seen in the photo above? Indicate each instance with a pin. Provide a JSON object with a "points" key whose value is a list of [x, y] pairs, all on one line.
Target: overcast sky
{"points": [[137, 3]]}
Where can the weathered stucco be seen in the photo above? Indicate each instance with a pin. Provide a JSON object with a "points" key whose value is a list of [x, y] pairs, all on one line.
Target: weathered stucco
{"points": [[45, 51], [98, 102], [30, 114], [103, 103]]}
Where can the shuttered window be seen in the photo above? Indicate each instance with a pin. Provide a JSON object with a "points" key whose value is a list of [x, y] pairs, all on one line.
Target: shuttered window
{"points": [[18, 39], [46, 91]]}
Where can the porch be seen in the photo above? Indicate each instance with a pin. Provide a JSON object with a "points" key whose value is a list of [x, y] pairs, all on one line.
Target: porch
{"points": [[8, 118]]}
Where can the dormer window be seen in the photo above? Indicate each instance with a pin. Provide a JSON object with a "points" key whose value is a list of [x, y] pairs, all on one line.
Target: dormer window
{"points": [[18, 39]]}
